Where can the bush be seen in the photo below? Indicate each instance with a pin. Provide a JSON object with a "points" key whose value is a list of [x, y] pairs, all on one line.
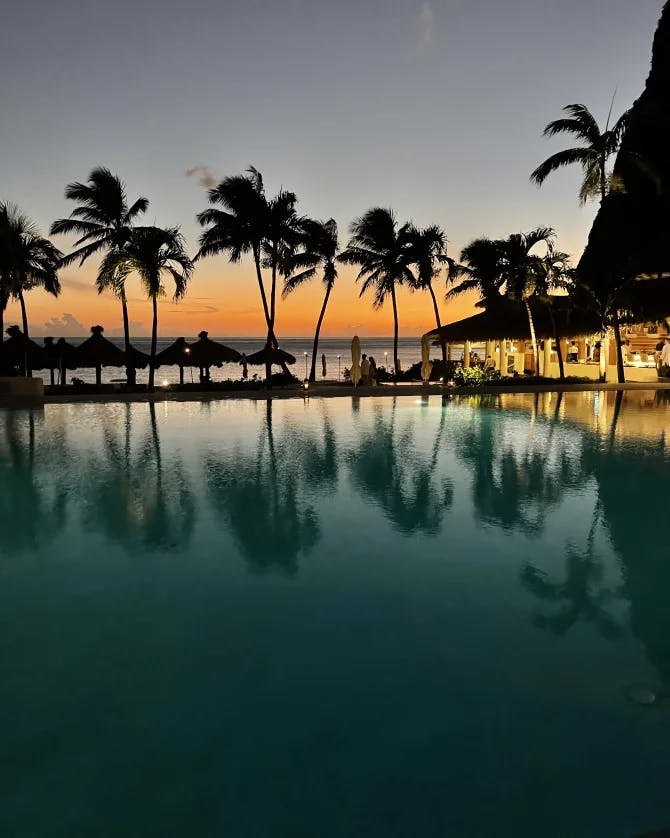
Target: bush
{"points": [[475, 376]]}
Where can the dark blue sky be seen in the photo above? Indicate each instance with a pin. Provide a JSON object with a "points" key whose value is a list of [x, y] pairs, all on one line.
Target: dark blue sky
{"points": [[434, 107]]}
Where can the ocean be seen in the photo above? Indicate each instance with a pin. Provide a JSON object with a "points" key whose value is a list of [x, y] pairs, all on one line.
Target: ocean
{"points": [[336, 350]]}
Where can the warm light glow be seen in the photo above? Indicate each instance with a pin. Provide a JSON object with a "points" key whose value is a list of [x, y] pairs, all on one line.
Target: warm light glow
{"points": [[165, 383]]}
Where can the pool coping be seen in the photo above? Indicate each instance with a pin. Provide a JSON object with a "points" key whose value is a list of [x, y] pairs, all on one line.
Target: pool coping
{"points": [[347, 391]]}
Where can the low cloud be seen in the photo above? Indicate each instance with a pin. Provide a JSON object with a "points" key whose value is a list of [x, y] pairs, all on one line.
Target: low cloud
{"points": [[136, 327], [64, 326], [207, 177]]}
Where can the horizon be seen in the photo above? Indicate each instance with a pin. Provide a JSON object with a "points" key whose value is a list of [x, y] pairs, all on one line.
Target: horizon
{"points": [[330, 134]]}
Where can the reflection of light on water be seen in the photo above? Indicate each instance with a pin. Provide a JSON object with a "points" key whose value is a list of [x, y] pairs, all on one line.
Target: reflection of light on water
{"points": [[596, 404]]}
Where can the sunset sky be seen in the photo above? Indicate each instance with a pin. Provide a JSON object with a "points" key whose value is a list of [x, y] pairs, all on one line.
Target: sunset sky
{"points": [[433, 107]]}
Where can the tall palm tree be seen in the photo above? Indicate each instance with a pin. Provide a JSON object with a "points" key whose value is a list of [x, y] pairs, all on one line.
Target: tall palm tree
{"points": [[521, 269], [593, 156], [429, 255], [151, 252], [382, 250], [103, 221], [27, 260], [248, 222], [319, 246]]}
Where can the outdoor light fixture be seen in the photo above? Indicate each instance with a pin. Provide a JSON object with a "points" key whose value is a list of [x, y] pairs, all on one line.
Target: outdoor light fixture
{"points": [[165, 383], [305, 384], [305, 354]]}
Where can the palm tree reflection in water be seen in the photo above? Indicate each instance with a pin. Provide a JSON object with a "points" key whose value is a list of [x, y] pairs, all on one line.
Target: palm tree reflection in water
{"points": [[33, 509], [583, 601], [133, 497], [265, 497], [387, 468]]}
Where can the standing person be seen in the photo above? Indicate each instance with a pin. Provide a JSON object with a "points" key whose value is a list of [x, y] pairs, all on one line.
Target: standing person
{"points": [[245, 368], [373, 371], [365, 370], [323, 364], [665, 358]]}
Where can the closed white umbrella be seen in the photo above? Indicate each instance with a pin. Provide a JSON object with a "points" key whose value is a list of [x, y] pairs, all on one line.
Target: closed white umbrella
{"points": [[426, 366], [355, 373]]}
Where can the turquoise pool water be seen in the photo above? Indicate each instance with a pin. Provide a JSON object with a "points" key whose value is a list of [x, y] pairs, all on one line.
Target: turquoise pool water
{"points": [[336, 618]]}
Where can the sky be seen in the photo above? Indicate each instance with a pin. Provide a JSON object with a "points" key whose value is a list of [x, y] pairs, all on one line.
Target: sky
{"points": [[432, 107]]}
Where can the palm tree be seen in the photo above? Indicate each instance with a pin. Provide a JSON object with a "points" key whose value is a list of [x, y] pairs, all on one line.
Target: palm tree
{"points": [[103, 221], [429, 254], [250, 223], [480, 271], [382, 250], [27, 261], [521, 268], [598, 146], [554, 274], [319, 250], [151, 252]]}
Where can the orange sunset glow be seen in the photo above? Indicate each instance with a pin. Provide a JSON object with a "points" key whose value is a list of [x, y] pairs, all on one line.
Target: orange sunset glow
{"points": [[223, 299]]}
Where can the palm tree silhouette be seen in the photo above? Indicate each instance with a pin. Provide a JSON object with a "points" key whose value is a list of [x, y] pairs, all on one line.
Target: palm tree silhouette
{"points": [[521, 271], [33, 506], [582, 600], [593, 156], [264, 497], [553, 273], [319, 246], [382, 250], [103, 220], [151, 252], [429, 255], [387, 469], [480, 272], [27, 261], [250, 223], [132, 496]]}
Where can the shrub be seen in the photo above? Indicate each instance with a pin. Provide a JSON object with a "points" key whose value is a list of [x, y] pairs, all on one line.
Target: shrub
{"points": [[475, 376]]}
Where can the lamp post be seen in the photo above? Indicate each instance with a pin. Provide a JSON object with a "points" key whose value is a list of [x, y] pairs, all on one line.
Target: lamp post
{"points": [[305, 354], [339, 362], [187, 350]]}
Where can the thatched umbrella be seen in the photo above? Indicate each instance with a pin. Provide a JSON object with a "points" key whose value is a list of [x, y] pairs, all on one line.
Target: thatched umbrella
{"points": [[67, 358], [178, 354], [274, 356], [19, 351], [51, 358], [136, 359], [98, 352], [206, 353]]}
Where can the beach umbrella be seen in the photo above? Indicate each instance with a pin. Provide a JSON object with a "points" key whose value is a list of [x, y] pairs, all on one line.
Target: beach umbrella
{"points": [[20, 351], [206, 353], [274, 356], [98, 352], [51, 358], [177, 354], [355, 373], [323, 365], [426, 366]]}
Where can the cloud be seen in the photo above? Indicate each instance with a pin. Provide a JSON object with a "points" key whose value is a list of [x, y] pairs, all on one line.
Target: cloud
{"points": [[207, 177], [200, 307], [136, 327], [425, 26], [64, 326]]}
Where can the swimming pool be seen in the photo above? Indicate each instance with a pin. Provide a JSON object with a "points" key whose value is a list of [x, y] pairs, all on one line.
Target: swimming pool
{"points": [[367, 617]]}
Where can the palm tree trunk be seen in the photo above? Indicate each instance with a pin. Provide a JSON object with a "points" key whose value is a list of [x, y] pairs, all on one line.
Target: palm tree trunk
{"points": [[154, 336], [315, 348], [621, 376], [3, 305], [396, 360], [533, 341], [439, 324], [24, 316], [130, 370], [559, 351]]}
